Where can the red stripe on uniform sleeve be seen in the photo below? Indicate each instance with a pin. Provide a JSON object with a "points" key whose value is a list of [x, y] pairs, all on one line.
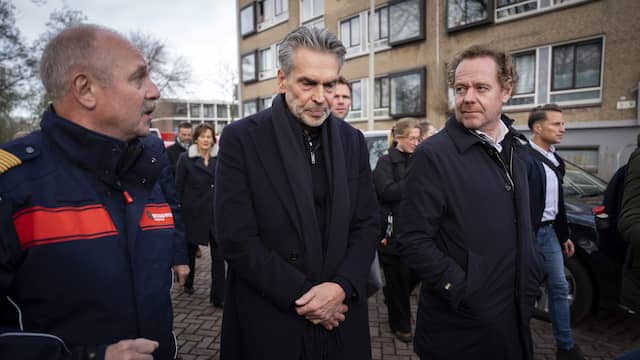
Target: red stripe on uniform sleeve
{"points": [[40, 225], [156, 216]]}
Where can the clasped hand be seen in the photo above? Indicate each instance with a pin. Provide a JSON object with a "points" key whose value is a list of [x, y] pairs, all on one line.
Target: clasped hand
{"points": [[322, 304]]}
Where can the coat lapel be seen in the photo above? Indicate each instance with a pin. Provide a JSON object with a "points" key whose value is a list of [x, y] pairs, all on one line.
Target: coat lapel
{"points": [[263, 139]]}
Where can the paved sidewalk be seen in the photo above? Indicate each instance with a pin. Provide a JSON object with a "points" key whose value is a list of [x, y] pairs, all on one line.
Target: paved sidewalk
{"points": [[197, 326]]}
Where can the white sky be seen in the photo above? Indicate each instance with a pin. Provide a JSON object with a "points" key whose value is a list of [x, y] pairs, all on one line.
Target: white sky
{"points": [[202, 31]]}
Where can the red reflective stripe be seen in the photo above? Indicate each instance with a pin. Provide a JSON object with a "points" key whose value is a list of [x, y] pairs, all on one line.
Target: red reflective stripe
{"points": [[156, 216], [40, 225]]}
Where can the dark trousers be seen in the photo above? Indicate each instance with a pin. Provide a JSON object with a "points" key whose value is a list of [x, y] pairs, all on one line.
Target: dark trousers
{"points": [[191, 252], [216, 296], [400, 281]]}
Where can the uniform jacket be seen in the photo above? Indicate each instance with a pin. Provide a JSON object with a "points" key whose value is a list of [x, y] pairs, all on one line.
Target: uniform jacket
{"points": [[538, 190], [80, 268], [389, 179], [271, 260], [195, 185], [466, 231], [629, 227]]}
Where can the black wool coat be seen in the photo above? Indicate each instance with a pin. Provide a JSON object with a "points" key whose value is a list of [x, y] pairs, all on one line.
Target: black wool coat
{"points": [[195, 185], [269, 262], [466, 231]]}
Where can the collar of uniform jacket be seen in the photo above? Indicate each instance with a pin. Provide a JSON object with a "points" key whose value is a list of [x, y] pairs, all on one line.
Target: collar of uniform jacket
{"points": [[464, 139], [88, 149]]}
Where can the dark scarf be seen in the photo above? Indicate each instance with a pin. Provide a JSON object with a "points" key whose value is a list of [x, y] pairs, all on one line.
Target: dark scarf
{"points": [[317, 268]]}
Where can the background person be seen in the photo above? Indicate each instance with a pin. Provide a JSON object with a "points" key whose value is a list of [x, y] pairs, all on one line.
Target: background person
{"points": [[182, 143], [426, 130], [549, 219], [87, 238], [195, 184], [466, 228], [341, 101], [389, 180]]}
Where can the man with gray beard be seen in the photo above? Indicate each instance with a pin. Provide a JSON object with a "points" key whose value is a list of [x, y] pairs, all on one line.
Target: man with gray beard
{"points": [[296, 217]]}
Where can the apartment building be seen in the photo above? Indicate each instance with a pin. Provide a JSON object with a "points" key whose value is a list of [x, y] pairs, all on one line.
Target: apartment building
{"points": [[580, 54], [169, 113]]}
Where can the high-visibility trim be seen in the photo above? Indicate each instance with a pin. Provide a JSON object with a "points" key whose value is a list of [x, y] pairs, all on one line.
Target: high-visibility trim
{"points": [[39, 225], [156, 216]]}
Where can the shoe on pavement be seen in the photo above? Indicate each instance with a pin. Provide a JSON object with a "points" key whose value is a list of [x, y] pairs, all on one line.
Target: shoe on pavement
{"points": [[403, 336], [569, 354]]}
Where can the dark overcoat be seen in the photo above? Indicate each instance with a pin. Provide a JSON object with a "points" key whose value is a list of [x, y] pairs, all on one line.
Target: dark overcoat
{"points": [[269, 262], [195, 185], [466, 230]]}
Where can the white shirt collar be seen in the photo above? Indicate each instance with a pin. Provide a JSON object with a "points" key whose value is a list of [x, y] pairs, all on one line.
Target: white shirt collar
{"points": [[500, 134]]}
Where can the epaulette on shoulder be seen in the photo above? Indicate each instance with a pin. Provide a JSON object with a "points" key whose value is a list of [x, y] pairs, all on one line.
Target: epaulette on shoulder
{"points": [[15, 154]]}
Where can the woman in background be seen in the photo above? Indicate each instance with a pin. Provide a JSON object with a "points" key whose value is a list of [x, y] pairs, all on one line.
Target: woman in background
{"points": [[195, 185], [388, 178]]}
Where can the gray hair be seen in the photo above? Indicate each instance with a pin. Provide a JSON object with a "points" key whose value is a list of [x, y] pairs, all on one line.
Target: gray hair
{"points": [[310, 38], [73, 46]]}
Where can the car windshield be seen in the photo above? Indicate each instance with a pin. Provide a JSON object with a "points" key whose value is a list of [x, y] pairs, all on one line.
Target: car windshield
{"points": [[377, 146], [579, 183]]}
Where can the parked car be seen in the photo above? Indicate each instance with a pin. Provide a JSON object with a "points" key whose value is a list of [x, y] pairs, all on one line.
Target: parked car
{"points": [[593, 276]]}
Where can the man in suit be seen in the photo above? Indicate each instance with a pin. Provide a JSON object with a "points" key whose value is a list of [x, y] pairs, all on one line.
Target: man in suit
{"points": [[465, 228], [183, 141], [296, 217], [549, 219]]}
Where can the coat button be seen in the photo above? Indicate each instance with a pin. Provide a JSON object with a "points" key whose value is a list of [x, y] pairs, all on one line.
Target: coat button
{"points": [[293, 257], [29, 149], [153, 160], [143, 180], [508, 187], [212, 186], [447, 286]]}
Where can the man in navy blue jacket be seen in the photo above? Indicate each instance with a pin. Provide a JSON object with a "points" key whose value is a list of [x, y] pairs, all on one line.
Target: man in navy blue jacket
{"points": [[464, 225], [87, 238], [549, 219]]}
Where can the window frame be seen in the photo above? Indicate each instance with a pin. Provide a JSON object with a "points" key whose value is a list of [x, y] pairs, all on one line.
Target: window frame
{"points": [[489, 18], [254, 18], [253, 53], [575, 45], [422, 71], [536, 71], [247, 101], [303, 20], [551, 6], [422, 25], [265, 74], [275, 18]]}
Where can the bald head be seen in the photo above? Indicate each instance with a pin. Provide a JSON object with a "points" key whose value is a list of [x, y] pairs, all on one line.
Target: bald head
{"points": [[76, 48]]}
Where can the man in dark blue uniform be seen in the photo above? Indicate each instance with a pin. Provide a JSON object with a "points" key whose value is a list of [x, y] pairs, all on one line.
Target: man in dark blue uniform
{"points": [[87, 238]]}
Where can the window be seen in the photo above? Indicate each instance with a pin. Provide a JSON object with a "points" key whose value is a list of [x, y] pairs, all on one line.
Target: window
{"points": [[350, 33], [249, 107], [406, 21], [181, 109], [265, 102], [524, 92], [407, 93], [466, 13], [208, 110], [195, 110], [381, 25], [576, 71], [234, 111], [271, 13], [249, 67], [267, 63], [248, 20], [222, 111], [509, 9], [310, 9], [359, 99]]}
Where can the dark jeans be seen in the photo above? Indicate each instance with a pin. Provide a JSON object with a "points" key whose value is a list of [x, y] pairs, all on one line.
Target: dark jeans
{"points": [[216, 296], [400, 281]]}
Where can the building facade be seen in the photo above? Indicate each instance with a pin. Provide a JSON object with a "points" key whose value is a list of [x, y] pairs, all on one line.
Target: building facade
{"points": [[169, 113], [580, 54]]}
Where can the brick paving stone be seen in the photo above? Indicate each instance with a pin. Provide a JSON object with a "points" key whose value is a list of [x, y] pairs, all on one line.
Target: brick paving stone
{"points": [[603, 336]]}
